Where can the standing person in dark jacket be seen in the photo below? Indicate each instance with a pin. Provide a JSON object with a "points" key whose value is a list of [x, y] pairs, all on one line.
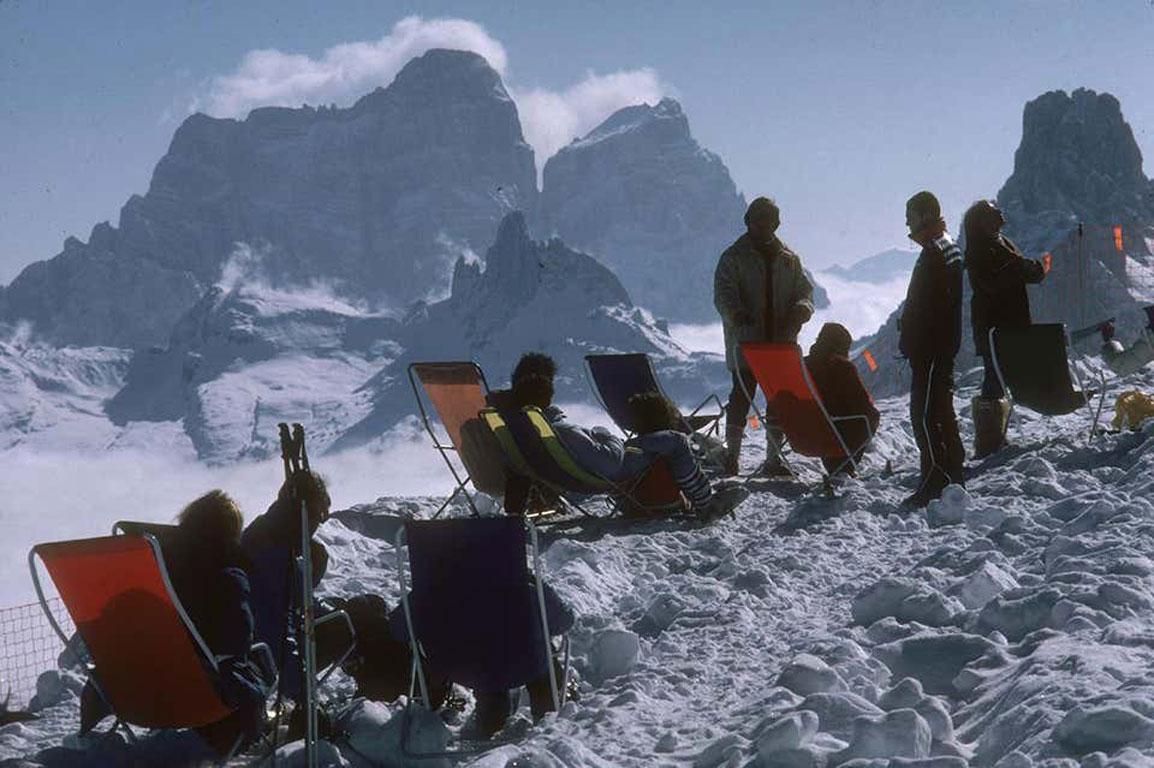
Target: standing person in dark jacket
{"points": [[842, 391], [762, 293], [998, 276], [931, 334]]}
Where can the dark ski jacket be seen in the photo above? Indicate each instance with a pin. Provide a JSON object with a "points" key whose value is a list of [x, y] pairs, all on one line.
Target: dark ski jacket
{"points": [[998, 276], [270, 544], [931, 320]]}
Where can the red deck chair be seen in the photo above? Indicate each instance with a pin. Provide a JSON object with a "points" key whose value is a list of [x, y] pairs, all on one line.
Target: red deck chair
{"points": [[148, 661], [457, 393], [780, 371]]}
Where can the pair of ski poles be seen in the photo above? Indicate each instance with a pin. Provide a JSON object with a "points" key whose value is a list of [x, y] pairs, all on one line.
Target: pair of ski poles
{"points": [[296, 465]]}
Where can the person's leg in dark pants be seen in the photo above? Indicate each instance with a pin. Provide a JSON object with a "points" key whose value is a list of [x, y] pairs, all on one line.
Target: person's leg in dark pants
{"points": [[736, 412], [919, 392], [944, 421], [991, 384], [492, 711]]}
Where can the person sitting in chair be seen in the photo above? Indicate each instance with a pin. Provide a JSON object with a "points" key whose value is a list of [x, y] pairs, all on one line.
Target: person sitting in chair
{"points": [[602, 453], [205, 567], [842, 392]]}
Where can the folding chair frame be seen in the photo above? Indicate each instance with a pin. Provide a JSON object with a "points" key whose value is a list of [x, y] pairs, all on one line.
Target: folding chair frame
{"points": [[90, 667], [831, 420], [441, 447], [418, 682], [713, 429], [1095, 413]]}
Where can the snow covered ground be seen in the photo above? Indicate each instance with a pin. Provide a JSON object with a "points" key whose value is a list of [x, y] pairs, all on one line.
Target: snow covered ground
{"points": [[1011, 624]]}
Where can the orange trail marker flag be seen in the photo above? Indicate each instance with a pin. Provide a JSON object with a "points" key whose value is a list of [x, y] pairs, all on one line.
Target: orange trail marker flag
{"points": [[869, 358], [1047, 262], [1118, 239]]}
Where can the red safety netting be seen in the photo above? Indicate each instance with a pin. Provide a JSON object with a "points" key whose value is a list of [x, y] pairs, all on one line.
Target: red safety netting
{"points": [[28, 646]]}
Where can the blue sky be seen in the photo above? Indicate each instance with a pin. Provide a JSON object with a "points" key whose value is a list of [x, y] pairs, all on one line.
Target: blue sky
{"points": [[840, 110]]}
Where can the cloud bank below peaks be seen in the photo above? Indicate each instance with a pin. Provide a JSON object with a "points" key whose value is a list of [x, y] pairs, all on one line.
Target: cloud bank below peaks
{"points": [[341, 73]]}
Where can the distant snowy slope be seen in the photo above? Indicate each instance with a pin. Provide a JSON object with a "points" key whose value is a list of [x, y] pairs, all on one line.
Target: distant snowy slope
{"points": [[532, 295], [242, 360], [880, 268], [54, 397]]}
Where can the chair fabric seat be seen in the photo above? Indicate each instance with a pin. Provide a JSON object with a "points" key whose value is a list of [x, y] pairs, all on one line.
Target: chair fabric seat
{"points": [[780, 371], [151, 670], [1035, 367]]}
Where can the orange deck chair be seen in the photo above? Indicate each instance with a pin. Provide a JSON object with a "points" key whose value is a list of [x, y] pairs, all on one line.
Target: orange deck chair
{"points": [[811, 431], [456, 391], [147, 660]]}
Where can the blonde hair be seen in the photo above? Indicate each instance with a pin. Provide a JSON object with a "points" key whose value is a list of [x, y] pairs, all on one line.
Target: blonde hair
{"points": [[214, 516]]}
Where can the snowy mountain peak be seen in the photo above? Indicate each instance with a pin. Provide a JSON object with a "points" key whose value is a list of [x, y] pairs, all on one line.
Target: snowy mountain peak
{"points": [[450, 73], [1078, 156], [666, 114]]}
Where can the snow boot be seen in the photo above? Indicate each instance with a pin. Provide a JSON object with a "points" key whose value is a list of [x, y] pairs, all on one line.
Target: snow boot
{"points": [[991, 418], [725, 500], [775, 467], [930, 488]]}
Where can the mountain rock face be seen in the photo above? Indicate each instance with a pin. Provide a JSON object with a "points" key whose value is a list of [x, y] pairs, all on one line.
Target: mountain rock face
{"points": [[378, 199], [645, 198], [532, 295], [242, 360], [1077, 163]]}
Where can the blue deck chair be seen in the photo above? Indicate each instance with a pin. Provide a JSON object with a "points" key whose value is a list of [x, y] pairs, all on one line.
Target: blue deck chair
{"points": [[616, 378], [1034, 368], [474, 614]]}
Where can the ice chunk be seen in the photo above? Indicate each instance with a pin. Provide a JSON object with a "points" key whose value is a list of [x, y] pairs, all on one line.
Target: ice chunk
{"points": [[905, 695], [950, 509], [615, 652], [790, 732], [983, 585], [837, 711], [1016, 618], [375, 732], [934, 660], [808, 674], [901, 733], [1102, 728]]}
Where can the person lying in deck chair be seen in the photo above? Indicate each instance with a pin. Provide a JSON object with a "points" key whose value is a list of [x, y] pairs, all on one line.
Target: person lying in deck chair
{"points": [[518, 489], [602, 453], [205, 565], [841, 389]]}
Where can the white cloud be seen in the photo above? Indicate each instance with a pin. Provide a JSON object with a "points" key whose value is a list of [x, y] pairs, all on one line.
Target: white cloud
{"points": [[268, 77], [550, 119]]}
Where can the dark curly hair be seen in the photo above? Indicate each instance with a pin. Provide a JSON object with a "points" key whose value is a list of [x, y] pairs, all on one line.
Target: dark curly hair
{"points": [[654, 412]]}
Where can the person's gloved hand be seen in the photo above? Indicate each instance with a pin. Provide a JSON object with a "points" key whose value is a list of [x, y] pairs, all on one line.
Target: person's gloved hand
{"points": [[795, 319]]}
